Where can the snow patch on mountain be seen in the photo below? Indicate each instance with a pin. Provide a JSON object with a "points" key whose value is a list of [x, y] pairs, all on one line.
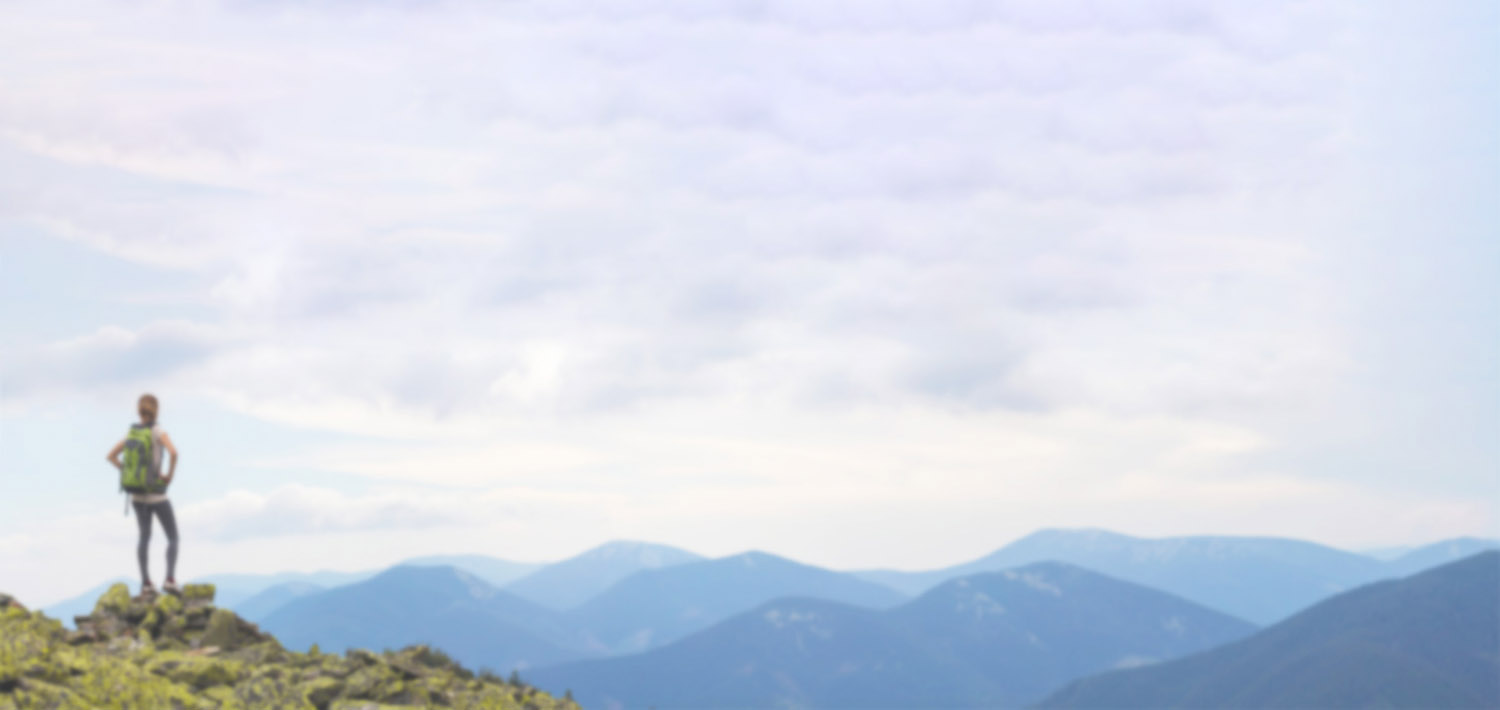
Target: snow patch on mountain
{"points": [[798, 621], [477, 588], [1035, 581], [778, 618], [1133, 662], [980, 605]]}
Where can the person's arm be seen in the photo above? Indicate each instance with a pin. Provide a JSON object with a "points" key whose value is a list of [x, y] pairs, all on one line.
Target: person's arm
{"points": [[114, 455], [171, 465]]}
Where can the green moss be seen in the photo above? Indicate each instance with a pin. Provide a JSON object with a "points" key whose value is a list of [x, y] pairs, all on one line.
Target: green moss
{"points": [[137, 610], [224, 631], [118, 664], [362, 657], [196, 618], [363, 683], [222, 697], [168, 605], [322, 691], [262, 689], [115, 600], [267, 652], [198, 593]]}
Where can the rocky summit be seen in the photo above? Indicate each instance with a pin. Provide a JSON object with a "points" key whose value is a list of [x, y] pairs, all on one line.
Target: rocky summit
{"points": [[181, 652]]}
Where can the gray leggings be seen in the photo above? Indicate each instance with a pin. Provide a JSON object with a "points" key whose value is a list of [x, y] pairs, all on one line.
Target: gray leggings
{"points": [[163, 510]]}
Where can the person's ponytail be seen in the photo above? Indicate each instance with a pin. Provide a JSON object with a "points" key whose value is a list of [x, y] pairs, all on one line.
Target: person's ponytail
{"points": [[147, 408]]}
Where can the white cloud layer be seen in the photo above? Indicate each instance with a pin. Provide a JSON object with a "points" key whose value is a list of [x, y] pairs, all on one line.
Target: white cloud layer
{"points": [[470, 208], [300, 510], [996, 246]]}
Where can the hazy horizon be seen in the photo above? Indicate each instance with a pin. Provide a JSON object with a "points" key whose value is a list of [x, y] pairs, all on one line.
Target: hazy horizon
{"points": [[867, 284], [1372, 553]]}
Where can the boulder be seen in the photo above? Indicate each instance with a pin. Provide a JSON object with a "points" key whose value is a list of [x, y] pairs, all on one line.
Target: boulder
{"points": [[321, 692], [229, 632], [200, 672], [198, 595], [116, 600]]}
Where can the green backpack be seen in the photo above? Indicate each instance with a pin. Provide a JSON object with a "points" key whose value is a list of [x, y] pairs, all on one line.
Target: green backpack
{"points": [[140, 473]]}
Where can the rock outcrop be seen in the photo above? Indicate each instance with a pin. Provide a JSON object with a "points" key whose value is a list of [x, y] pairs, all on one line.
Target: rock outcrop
{"points": [[181, 652]]}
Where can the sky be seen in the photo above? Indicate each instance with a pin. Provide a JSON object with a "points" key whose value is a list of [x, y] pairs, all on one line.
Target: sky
{"points": [[862, 283]]}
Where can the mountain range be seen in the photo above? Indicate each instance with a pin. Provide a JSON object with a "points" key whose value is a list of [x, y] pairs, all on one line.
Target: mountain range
{"points": [[571, 582], [494, 570], [648, 609], [1260, 579], [1428, 640], [235, 588], [656, 606], [258, 607], [998, 638], [474, 622]]}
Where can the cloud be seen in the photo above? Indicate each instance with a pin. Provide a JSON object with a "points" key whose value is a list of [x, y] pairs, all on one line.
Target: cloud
{"points": [[567, 209], [297, 510], [113, 357], [13, 544], [510, 232]]}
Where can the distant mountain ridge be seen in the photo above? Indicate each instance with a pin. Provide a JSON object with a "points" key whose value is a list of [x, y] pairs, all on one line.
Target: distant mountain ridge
{"points": [[998, 638], [235, 588], [672, 596], [775, 654], [1439, 553], [656, 606], [566, 584], [476, 623], [258, 607], [1258, 579], [647, 609], [1424, 641], [494, 570], [1160, 563], [1105, 622]]}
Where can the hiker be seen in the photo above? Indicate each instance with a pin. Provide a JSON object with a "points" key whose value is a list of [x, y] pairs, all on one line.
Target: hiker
{"points": [[140, 476]]}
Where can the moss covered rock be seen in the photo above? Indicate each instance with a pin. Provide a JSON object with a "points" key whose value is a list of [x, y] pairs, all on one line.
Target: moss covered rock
{"points": [[227, 631], [198, 671], [115, 600], [198, 594], [320, 692], [165, 652], [169, 604]]}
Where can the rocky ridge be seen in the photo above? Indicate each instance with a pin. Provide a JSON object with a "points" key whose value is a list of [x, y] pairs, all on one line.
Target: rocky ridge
{"points": [[182, 652]]}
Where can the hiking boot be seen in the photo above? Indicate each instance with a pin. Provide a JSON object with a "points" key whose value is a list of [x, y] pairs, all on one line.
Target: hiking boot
{"points": [[170, 587], [147, 590]]}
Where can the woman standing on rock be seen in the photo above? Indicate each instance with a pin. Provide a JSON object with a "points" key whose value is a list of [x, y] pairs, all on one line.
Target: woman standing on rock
{"points": [[140, 475]]}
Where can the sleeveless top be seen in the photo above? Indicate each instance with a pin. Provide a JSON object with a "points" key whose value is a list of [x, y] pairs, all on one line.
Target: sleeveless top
{"points": [[156, 453]]}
